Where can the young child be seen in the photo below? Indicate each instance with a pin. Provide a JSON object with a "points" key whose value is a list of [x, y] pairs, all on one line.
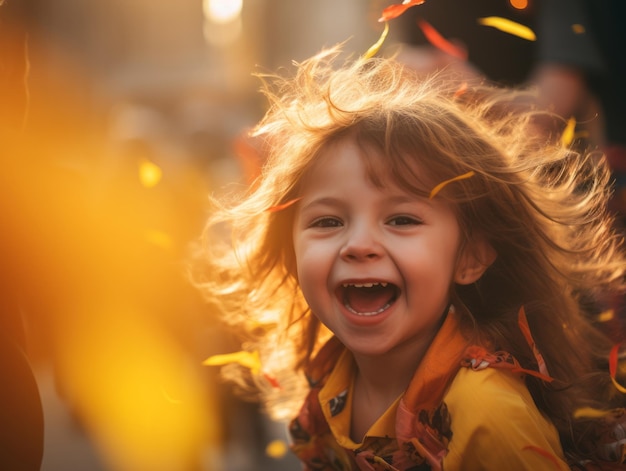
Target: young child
{"points": [[424, 256]]}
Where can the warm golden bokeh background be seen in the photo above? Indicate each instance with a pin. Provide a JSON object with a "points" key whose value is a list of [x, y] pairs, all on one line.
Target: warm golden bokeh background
{"points": [[118, 119]]}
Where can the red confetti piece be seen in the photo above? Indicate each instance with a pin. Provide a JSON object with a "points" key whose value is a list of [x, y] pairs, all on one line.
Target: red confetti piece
{"points": [[280, 207], [613, 357], [273, 381], [436, 39], [394, 11]]}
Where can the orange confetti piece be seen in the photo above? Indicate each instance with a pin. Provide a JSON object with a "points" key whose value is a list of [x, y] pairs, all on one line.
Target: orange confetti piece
{"points": [[519, 4], [280, 207], [436, 39], [545, 454], [441, 185], [461, 90], [394, 11], [246, 359], [613, 357], [508, 26], [578, 28], [568, 133], [373, 50], [522, 321], [149, 173], [605, 316]]}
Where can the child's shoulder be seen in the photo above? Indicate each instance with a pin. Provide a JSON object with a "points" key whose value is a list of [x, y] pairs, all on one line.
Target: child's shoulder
{"points": [[493, 406], [490, 391]]}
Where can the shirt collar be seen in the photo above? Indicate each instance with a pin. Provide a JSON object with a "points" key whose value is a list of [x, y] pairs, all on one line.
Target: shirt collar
{"points": [[336, 401]]}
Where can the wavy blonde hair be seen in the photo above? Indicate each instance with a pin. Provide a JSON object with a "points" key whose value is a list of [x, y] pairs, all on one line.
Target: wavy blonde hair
{"points": [[539, 204]]}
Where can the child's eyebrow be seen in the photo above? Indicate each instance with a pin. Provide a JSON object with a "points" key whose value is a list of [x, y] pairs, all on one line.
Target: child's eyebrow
{"points": [[410, 199], [321, 201]]}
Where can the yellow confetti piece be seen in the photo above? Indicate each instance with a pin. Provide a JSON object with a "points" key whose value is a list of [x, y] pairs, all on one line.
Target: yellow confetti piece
{"points": [[373, 50], [158, 238], [439, 187], [591, 413], [149, 173], [508, 26], [568, 133], [605, 316], [578, 28], [276, 449], [246, 359]]}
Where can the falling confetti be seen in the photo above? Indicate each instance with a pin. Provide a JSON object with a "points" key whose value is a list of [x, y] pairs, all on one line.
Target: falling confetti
{"points": [[461, 90], [273, 381], [508, 26], [280, 207], [578, 28], [613, 367], [522, 321], [373, 50], [247, 359], [591, 413], [436, 39], [394, 11], [605, 316], [568, 133], [441, 185]]}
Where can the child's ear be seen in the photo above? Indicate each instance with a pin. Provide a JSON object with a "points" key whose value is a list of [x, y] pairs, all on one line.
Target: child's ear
{"points": [[477, 256]]}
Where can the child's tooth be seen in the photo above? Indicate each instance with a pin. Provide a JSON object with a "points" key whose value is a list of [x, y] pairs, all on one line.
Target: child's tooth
{"points": [[384, 285]]}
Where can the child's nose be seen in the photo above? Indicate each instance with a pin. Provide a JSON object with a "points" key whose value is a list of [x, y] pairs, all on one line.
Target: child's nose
{"points": [[361, 244]]}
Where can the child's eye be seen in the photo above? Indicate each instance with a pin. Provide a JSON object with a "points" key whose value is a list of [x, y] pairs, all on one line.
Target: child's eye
{"points": [[325, 222], [404, 221]]}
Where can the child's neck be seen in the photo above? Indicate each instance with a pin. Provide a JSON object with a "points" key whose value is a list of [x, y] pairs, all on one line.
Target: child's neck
{"points": [[378, 382]]}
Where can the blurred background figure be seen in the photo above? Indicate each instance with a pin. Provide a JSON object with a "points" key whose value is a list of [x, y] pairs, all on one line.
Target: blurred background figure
{"points": [[575, 63]]}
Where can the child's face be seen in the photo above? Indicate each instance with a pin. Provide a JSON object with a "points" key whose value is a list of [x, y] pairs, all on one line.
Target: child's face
{"points": [[375, 265]]}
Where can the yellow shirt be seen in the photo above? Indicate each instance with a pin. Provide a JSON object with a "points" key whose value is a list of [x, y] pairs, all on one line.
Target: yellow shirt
{"points": [[495, 423], [451, 418]]}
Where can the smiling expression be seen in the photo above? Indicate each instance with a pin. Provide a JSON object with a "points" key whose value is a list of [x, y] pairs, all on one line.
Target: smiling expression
{"points": [[375, 264]]}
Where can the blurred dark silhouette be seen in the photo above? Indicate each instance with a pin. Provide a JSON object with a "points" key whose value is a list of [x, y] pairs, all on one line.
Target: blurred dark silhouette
{"points": [[21, 411]]}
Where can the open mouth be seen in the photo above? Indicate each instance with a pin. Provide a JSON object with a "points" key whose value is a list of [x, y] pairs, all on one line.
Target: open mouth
{"points": [[368, 299]]}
